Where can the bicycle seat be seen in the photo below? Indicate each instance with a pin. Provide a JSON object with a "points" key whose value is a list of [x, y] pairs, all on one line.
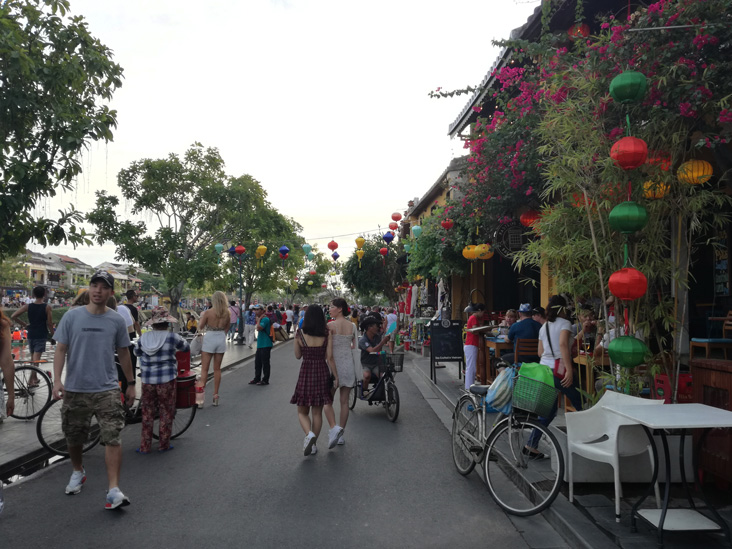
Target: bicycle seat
{"points": [[479, 389]]}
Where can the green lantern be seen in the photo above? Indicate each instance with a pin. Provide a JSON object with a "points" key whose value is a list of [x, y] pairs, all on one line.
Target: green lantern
{"points": [[627, 351], [628, 217], [628, 87]]}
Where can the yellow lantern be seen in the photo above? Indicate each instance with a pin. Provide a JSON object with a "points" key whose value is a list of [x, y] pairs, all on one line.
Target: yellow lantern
{"points": [[359, 254], [695, 172], [360, 241], [469, 252], [653, 190], [310, 282], [483, 251], [261, 250]]}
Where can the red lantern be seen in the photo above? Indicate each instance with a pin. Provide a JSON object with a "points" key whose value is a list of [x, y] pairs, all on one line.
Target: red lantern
{"points": [[629, 152], [332, 245], [313, 272], [628, 284], [393, 225], [323, 285], [396, 216], [529, 217], [384, 251], [579, 30], [447, 224], [240, 249]]}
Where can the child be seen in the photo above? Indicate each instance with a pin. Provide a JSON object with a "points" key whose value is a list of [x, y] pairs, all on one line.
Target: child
{"points": [[158, 369]]}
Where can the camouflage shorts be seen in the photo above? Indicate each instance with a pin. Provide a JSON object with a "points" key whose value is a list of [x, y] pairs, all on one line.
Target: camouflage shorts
{"points": [[77, 412]]}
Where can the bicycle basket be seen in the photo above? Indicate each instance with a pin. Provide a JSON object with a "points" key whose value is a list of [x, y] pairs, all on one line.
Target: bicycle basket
{"points": [[394, 362], [533, 396]]}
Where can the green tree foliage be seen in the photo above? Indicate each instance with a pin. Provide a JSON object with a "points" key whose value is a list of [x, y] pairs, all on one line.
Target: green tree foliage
{"points": [[377, 275], [13, 271], [54, 82], [438, 252], [194, 205]]}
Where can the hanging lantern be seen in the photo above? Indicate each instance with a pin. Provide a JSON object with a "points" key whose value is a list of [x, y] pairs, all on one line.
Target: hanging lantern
{"points": [[261, 250], [219, 248], [323, 285], [628, 284], [310, 282], [579, 30], [483, 251], [629, 152], [360, 241], [628, 217], [231, 251], [306, 248], [332, 245], [407, 248], [655, 190], [627, 351], [529, 217], [331, 273], [335, 256], [469, 252], [359, 254], [416, 231], [384, 252], [393, 225], [388, 237], [447, 224], [629, 87], [311, 256], [240, 249], [313, 272], [396, 216], [695, 172]]}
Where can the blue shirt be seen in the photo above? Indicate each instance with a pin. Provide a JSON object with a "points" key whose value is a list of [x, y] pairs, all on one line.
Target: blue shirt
{"points": [[528, 328], [263, 339]]}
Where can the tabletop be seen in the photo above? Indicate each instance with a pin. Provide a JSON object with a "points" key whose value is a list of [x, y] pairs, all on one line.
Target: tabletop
{"points": [[676, 416]]}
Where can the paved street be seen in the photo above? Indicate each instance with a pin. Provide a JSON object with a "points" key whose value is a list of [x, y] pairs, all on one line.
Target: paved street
{"points": [[238, 477]]}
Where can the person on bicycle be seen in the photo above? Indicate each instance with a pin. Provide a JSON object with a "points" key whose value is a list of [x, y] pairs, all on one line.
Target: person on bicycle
{"points": [[86, 340], [370, 344]]}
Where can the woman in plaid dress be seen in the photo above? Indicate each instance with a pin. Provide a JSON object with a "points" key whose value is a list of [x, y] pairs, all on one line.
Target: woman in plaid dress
{"points": [[313, 389]]}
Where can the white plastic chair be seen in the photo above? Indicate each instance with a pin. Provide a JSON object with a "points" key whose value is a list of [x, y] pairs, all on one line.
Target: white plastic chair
{"points": [[600, 435]]}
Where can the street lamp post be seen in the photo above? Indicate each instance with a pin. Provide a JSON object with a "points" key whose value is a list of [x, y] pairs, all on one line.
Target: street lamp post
{"points": [[240, 252]]}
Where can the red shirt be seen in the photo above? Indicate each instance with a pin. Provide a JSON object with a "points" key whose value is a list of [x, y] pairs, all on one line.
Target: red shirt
{"points": [[471, 338]]}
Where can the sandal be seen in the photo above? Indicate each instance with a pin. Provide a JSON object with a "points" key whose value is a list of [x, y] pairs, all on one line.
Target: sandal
{"points": [[216, 400], [139, 451]]}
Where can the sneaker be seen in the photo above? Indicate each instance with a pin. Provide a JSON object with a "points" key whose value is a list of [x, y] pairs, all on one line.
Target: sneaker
{"points": [[78, 478], [308, 444], [341, 439], [333, 435], [115, 498], [314, 450]]}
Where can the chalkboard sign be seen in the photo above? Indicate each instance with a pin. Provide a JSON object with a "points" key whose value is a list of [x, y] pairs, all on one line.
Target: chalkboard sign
{"points": [[446, 342]]}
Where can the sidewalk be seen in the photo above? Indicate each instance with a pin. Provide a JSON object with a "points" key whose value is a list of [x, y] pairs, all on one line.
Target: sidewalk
{"points": [[589, 521], [22, 454]]}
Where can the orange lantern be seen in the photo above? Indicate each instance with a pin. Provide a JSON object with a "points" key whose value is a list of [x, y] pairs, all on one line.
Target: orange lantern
{"points": [[359, 254], [393, 225], [579, 30], [529, 217], [396, 216], [695, 172]]}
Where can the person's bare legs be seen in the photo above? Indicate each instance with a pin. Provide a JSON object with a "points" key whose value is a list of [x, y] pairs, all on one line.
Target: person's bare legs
{"points": [[218, 358], [344, 392], [205, 361], [75, 454], [318, 419], [303, 415], [330, 415], [113, 459]]}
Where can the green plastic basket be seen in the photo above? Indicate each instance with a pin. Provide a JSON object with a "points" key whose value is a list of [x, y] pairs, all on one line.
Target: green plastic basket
{"points": [[534, 396]]}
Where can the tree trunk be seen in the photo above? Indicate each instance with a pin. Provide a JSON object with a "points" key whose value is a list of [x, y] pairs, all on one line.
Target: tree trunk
{"points": [[175, 294]]}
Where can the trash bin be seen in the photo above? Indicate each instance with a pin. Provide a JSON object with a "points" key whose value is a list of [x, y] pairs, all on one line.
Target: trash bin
{"points": [[185, 391]]}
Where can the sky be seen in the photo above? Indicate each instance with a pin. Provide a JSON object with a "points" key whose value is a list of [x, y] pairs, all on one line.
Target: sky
{"points": [[324, 102]]}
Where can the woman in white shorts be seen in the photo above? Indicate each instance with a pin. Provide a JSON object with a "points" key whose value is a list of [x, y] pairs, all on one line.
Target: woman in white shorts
{"points": [[215, 323]]}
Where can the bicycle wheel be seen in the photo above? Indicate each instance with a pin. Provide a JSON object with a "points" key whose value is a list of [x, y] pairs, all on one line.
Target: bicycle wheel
{"points": [[51, 435], [520, 485], [392, 401], [467, 447], [31, 395], [181, 422], [353, 396]]}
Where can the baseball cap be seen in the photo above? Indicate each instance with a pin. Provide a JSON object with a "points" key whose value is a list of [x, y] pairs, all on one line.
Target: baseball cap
{"points": [[104, 276], [524, 308], [258, 306], [538, 311]]}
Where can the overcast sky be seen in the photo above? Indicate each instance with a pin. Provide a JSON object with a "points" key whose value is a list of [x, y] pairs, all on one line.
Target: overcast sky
{"points": [[322, 101]]}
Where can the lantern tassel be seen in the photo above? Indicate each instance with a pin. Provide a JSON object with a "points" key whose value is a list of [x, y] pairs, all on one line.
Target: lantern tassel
{"points": [[627, 122], [484, 268], [625, 252]]}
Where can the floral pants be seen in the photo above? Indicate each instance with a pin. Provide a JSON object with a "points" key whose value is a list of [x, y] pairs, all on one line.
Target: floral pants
{"points": [[160, 397]]}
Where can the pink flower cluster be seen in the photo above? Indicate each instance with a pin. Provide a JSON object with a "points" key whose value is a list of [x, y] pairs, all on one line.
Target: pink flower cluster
{"points": [[687, 111], [725, 116], [702, 40]]}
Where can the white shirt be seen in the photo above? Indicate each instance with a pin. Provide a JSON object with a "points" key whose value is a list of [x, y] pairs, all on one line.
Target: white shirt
{"points": [[290, 315], [125, 313], [554, 331]]}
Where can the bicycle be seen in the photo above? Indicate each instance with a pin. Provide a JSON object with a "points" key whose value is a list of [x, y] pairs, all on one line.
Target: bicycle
{"points": [[51, 436], [32, 388], [518, 482], [385, 391]]}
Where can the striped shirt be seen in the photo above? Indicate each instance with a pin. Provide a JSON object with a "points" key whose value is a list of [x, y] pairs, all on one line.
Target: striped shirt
{"points": [[159, 365]]}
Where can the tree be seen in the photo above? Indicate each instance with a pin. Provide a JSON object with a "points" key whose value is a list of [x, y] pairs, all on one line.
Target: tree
{"points": [[54, 81], [195, 205], [377, 274], [13, 271]]}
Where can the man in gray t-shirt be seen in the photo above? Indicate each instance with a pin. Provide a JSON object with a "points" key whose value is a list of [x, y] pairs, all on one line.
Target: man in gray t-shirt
{"points": [[87, 338]]}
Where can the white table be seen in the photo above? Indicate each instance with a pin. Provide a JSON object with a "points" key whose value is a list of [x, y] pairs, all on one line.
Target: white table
{"points": [[683, 417]]}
